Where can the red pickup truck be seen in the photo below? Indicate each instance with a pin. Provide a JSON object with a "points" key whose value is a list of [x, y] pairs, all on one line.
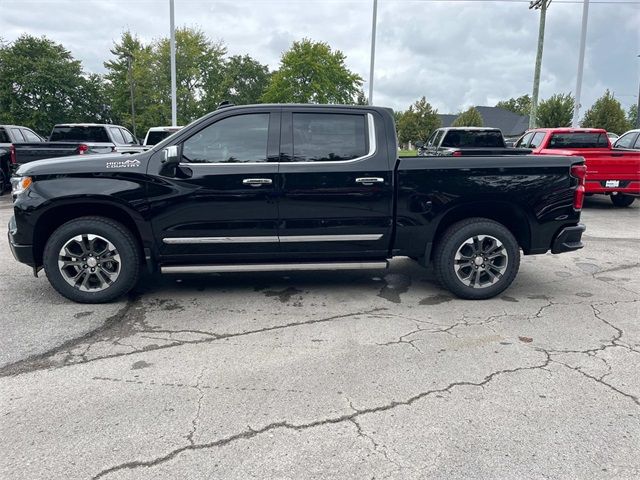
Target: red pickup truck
{"points": [[610, 171]]}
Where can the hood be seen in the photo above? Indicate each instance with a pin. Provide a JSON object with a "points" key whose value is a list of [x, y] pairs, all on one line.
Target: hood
{"points": [[89, 163]]}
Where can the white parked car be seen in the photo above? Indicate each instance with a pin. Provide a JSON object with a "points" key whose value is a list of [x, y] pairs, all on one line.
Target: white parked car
{"points": [[630, 140], [157, 134]]}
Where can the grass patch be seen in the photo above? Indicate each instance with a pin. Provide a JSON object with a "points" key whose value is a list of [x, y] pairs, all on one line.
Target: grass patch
{"points": [[408, 153]]}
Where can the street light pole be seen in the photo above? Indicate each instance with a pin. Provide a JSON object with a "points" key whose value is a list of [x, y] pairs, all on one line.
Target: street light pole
{"points": [[374, 21], [172, 41], [133, 106], [638, 108], [583, 39], [542, 5]]}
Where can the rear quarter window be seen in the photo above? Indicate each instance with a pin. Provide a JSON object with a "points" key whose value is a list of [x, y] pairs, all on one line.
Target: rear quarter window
{"points": [[79, 134], [578, 140]]}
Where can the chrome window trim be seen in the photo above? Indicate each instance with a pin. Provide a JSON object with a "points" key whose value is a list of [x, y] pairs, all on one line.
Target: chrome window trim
{"points": [[272, 239], [373, 148]]}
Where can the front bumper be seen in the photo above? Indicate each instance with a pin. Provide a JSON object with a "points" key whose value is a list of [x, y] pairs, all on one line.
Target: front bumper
{"points": [[22, 253], [569, 239]]}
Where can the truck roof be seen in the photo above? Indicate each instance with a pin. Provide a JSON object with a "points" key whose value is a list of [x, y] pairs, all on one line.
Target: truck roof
{"points": [[469, 128], [86, 125], [568, 130]]}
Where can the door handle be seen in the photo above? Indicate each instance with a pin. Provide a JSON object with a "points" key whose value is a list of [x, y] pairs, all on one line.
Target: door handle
{"points": [[369, 180], [257, 182]]}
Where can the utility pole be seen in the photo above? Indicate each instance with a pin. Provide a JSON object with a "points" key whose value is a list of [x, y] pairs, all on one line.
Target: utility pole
{"points": [[583, 39], [133, 106], [172, 41], [542, 5], [373, 49], [638, 110]]}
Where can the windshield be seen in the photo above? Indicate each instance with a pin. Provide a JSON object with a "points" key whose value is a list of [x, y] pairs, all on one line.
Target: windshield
{"points": [[579, 140], [473, 139], [79, 134]]}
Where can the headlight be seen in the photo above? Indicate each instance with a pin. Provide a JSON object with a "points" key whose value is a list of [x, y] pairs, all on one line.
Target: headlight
{"points": [[20, 184]]}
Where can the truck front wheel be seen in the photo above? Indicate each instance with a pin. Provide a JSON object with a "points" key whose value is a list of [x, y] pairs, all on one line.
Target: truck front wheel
{"points": [[477, 258], [621, 200], [92, 260]]}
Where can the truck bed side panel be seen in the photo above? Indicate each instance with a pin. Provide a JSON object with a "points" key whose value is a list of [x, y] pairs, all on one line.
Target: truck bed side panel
{"points": [[536, 192]]}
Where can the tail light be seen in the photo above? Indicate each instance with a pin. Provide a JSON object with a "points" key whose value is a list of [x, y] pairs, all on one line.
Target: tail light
{"points": [[82, 149], [579, 172], [457, 153], [12, 154]]}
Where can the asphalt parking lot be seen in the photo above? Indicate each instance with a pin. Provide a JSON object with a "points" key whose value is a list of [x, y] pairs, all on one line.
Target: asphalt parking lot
{"points": [[324, 375]]}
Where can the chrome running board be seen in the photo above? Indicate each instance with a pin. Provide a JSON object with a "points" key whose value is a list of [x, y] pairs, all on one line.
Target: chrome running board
{"points": [[274, 267]]}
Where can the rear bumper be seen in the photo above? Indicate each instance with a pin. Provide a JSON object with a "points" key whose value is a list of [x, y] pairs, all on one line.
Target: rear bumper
{"points": [[22, 253], [569, 239], [628, 187]]}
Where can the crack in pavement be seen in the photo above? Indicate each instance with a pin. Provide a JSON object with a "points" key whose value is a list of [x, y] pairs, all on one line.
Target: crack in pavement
{"points": [[251, 433], [601, 381], [376, 446], [41, 361], [194, 422]]}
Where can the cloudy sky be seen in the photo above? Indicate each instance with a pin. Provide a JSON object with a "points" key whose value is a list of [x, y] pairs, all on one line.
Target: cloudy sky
{"points": [[456, 53]]}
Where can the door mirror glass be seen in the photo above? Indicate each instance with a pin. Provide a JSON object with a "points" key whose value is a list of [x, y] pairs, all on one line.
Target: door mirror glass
{"points": [[419, 144], [170, 155]]}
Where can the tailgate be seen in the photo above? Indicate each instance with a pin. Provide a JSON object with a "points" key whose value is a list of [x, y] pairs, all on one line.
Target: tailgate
{"points": [[612, 164], [29, 152]]}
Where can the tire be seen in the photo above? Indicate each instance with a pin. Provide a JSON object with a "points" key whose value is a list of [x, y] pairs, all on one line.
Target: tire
{"points": [[622, 200], [465, 240], [92, 242]]}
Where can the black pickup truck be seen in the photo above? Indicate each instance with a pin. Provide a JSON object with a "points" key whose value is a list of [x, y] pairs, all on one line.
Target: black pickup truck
{"points": [[467, 141], [78, 139], [290, 187]]}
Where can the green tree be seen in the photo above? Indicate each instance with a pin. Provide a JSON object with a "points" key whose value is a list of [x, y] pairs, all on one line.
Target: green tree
{"points": [[244, 81], [469, 118], [520, 105], [556, 111], [633, 116], [41, 84], [199, 73], [310, 72], [418, 122], [93, 101], [361, 98], [134, 63], [606, 113]]}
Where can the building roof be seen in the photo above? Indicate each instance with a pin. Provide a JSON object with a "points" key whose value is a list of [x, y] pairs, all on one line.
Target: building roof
{"points": [[511, 124]]}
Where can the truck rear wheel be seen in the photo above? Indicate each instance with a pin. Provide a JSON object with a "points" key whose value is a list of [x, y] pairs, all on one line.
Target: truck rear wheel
{"points": [[477, 258], [92, 260], [622, 200]]}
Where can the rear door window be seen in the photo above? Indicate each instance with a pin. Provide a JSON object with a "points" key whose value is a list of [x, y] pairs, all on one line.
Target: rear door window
{"points": [[524, 141], [17, 135], [116, 135], [537, 139], [328, 137], [128, 138]]}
